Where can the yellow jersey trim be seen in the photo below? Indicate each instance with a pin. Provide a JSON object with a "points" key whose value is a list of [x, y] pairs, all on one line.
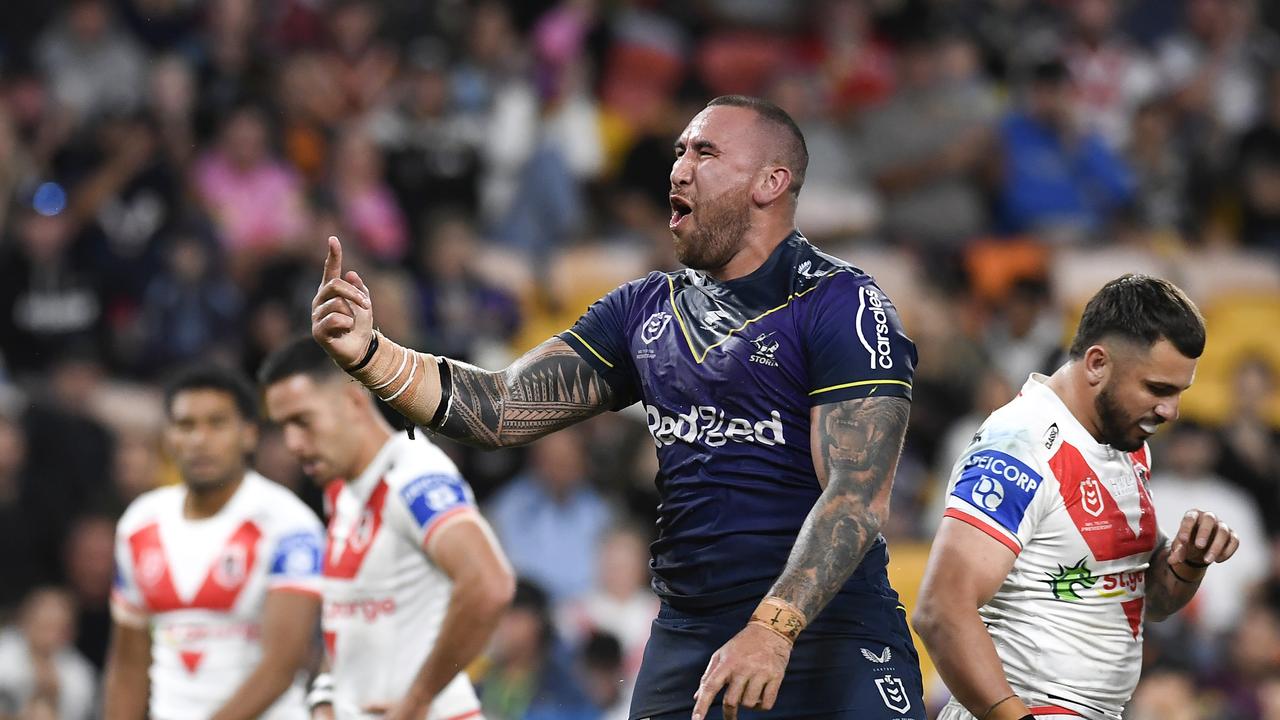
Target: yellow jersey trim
{"points": [[588, 346], [671, 286], [860, 383]]}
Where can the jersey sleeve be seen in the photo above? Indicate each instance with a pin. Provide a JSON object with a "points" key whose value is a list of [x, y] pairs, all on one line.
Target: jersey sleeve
{"points": [[600, 337], [297, 555], [429, 502], [996, 487], [856, 345], [128, 607]]}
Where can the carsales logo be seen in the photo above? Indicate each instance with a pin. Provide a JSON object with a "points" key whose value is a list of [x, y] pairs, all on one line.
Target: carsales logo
{"points": [[881, 353]]}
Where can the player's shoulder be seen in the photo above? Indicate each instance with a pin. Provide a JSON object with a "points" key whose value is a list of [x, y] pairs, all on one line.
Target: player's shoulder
{"points": [[274, 503], [820, 274], [1019, 429], [413, 458], [150, 506]]}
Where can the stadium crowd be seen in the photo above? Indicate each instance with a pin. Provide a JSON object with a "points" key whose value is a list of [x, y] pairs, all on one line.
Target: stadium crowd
{"points": [[169, 170]]}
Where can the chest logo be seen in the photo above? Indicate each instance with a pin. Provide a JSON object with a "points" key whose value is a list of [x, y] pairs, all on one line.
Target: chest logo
{"points": [[765, 350], [655, 326], [893, 693], [1063, 583], [230, 569], [1091, 496]]}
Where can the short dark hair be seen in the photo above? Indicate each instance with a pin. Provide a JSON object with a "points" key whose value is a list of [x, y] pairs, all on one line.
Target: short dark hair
{"points": [[793, 151], [1141, 309], [213, 377], [300, 356]]}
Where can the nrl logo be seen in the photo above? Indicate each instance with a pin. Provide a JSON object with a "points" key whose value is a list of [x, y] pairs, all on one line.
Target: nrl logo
{"points": [[654, 326], [893, 693], [1091, 496]]}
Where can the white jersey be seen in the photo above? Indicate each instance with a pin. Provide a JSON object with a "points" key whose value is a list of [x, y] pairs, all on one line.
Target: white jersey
{"points": [[200, 586], [384, 599], [1067, 622]]}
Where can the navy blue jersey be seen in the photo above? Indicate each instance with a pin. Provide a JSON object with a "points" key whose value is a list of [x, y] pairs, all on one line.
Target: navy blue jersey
{"points": [[728, 373]]}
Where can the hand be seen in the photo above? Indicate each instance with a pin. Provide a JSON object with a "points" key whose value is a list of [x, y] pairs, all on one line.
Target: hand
{"points": [[1203, 538], [323, 711], [750, 666], [406, 709], [342, 311]]}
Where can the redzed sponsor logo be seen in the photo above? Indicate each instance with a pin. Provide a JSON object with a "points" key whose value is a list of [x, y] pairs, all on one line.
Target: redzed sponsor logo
{"points": [[370, 609]]}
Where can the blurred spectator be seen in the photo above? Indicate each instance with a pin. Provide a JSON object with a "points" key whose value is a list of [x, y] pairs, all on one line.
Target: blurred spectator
{"points": [[311, 105], [1257, 169], [172, 103], [432, 149], [1057, 179], [600, 659], [1214, 66], [837, 201], [192, 311], [1159, 167], [1250, 455], [362, 63], [550, 520], [92, 67], [229, 70], [41, 674], [1025, 333], [1112, 76], [621, 604], [254, 199], [21, 564], [89, 568], [16, 167], [161, 25], [531, 676], [992, 392], [856, 65], [1183, 479], [925, 147], [461, 312], [49, 301], [1166, 693], [368, 207], [1252, 657], [136, 466]]}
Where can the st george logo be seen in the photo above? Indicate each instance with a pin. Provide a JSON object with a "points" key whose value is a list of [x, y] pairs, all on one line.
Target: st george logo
{"points": [[1091, 496], [655, 326], [893, 693]]}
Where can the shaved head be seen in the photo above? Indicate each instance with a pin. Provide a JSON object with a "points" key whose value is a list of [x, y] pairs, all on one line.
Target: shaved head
{"points": [[786, 145]]}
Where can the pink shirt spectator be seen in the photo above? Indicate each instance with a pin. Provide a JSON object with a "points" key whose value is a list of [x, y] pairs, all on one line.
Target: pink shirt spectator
{"points": [[375, 217], [257, 208]]}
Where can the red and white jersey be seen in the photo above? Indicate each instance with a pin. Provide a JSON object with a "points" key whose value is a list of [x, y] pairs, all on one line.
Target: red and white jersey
{"points": [[200, 585], [384, 599], [1067, 622]]}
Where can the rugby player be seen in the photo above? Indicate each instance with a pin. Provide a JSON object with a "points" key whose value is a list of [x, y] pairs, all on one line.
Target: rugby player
{"points": [[776, 380], [217, 587], [414, 580], [1049, 557]]}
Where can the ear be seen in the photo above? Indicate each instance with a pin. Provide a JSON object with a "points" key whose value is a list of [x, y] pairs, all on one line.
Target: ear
{"points": [[773, 184], [1098, 364]]}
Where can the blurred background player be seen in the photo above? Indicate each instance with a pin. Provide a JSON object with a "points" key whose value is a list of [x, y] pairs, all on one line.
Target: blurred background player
{"points": [[218, 579], [414, 580], [1050, 556], [776, 381]]}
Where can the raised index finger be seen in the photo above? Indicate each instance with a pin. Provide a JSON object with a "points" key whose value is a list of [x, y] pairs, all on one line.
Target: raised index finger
{"points": [[332, 261]]}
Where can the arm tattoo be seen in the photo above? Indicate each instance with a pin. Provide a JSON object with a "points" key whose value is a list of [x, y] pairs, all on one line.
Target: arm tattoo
{"points": [[1166, 594], [856, 447], [549, 388]]}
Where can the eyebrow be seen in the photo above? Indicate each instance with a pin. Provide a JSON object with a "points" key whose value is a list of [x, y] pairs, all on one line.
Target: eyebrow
{"points": [[699, 144]]}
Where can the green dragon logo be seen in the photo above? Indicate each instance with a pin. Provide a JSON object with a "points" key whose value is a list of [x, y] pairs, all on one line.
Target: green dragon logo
{"points": [[1064, 581]]}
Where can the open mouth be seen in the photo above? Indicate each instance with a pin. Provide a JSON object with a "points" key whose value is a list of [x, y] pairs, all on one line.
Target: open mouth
{"points": [[680, 209], [1148, 427]]}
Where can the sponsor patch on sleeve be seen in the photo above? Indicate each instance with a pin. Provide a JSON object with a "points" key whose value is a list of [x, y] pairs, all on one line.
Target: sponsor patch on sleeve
{"points": [[429, 496], [298, 555], [999, 485]]}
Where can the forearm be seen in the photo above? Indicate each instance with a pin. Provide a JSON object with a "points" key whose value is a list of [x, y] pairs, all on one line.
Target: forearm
{"points": [[469, 622], [857, 448], [1169, 586], [127, 682], [965, 656], [265, 684], [549, 388]]}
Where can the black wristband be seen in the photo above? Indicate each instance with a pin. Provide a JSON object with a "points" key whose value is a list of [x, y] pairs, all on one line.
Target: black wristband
{"points": [[1175, 574], [368, 355], [446, 393], [1196, 565]]}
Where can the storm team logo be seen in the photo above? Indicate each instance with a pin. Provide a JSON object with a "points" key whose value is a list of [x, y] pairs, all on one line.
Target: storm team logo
{"points": [[655, 326]]}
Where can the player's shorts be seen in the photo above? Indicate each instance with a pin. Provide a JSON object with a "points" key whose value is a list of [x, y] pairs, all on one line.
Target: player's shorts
{"points": [[851, 662], [956, 711]]}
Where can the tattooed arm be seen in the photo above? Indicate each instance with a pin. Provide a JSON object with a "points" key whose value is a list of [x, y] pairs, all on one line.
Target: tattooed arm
{"points": [[855, 452], [855, 446], [1179, 564]]}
